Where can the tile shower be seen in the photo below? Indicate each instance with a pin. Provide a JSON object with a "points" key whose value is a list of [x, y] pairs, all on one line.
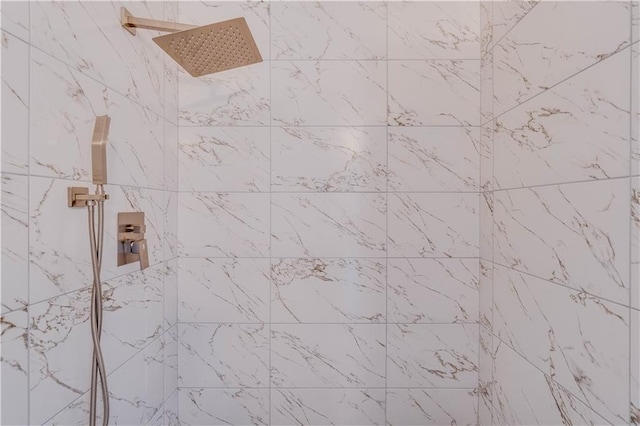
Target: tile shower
{"points": [[409, 213]]}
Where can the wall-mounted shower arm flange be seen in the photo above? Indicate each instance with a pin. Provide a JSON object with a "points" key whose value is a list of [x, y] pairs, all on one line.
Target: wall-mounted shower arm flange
{"points": [[130, 23], [78, 196]]}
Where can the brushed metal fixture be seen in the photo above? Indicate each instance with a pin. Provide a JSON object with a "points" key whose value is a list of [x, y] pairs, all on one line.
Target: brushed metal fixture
{"points": [[99, 149], [201, 50], [78, 196], [132, 245]]}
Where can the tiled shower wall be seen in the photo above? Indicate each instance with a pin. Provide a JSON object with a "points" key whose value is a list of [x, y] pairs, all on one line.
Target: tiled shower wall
{"points": [[63, 64], [329, 218], [559, 215]]}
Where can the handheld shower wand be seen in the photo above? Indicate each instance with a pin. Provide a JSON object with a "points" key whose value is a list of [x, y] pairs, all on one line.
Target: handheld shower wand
{"points": [[80, 197]]}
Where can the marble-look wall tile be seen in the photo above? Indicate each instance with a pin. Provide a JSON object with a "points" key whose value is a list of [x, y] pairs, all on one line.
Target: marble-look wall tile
{"points": [[579, 340], [15, 102], [329, 159], [171, 153], [135, 402], [170, 293], [486, 294], [487, 135], [575, 234], [134, 298], [327, 355], [505, 15], [59, 354], [352, 225], [328, 406], [485, 377], [15, 18], [170, 360], [433, 225], [328, 30], [432, 355], [486, 86], [578, 130], [15, 368], [434, 158], [486, 27], [329, 93], [223, 290], [59, 261], [87, 37], [224, 159], [434, 93], [525, 396], [529, 61], [432, 290], [487, 201], [223, 355], [232, 98], [15, 242], [62, 126], [434, 30], [634, 373], [223, 224], [171, 84], [432, 407], [328, 290], [170, 242], [635, 242], [170, 417], [223, 406]]}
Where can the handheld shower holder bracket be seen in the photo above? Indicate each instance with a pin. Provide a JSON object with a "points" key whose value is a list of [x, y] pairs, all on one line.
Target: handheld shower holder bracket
{"points": [[78, 196]]}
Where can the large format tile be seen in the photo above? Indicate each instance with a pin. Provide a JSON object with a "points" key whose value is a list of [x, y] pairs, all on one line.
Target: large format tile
{"points": [[136, 401], [328, 93], [579, 130], [170, 241], [328, 30], [432, 355], [434, 159], [431, 407], [15, 102], [351, 225], [525, 396], [327, 355], [15, 18], [634, 373], [328, 290], [528, 61], [15, 368], [505, 15], [432, 290], [88, 37], [222, 224], [321, 159], [434, 30], [15, 242], [223, 355], [487, 201], [59, 354], [135, 298], [223, 406], [327, 406], [59, 241], [170, 362], [575, 234], [485, 377], [433, 225], [171, 153], [224, 159], [223, 290], [62, 126], [434, 93], [579, 340]]}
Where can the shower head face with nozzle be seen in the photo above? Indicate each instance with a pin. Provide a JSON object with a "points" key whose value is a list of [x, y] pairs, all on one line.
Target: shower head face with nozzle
{"points": [[212, 48]]}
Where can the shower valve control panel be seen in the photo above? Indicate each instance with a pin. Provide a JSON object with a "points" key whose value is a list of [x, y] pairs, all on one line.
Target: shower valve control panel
{"points": [[132, 245]]}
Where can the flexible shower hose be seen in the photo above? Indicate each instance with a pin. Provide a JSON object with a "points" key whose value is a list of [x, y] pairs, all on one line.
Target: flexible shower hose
{"points": [[98, 368]]}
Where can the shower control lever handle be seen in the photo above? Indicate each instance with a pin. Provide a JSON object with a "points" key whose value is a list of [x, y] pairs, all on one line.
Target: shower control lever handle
{"points": [[140, 249]]}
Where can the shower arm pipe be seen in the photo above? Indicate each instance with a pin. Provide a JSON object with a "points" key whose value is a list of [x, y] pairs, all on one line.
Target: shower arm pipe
{"points": [[130, 23]]}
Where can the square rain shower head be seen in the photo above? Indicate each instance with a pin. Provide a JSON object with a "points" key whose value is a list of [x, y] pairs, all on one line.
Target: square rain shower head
{"points": [[212, 48]]}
